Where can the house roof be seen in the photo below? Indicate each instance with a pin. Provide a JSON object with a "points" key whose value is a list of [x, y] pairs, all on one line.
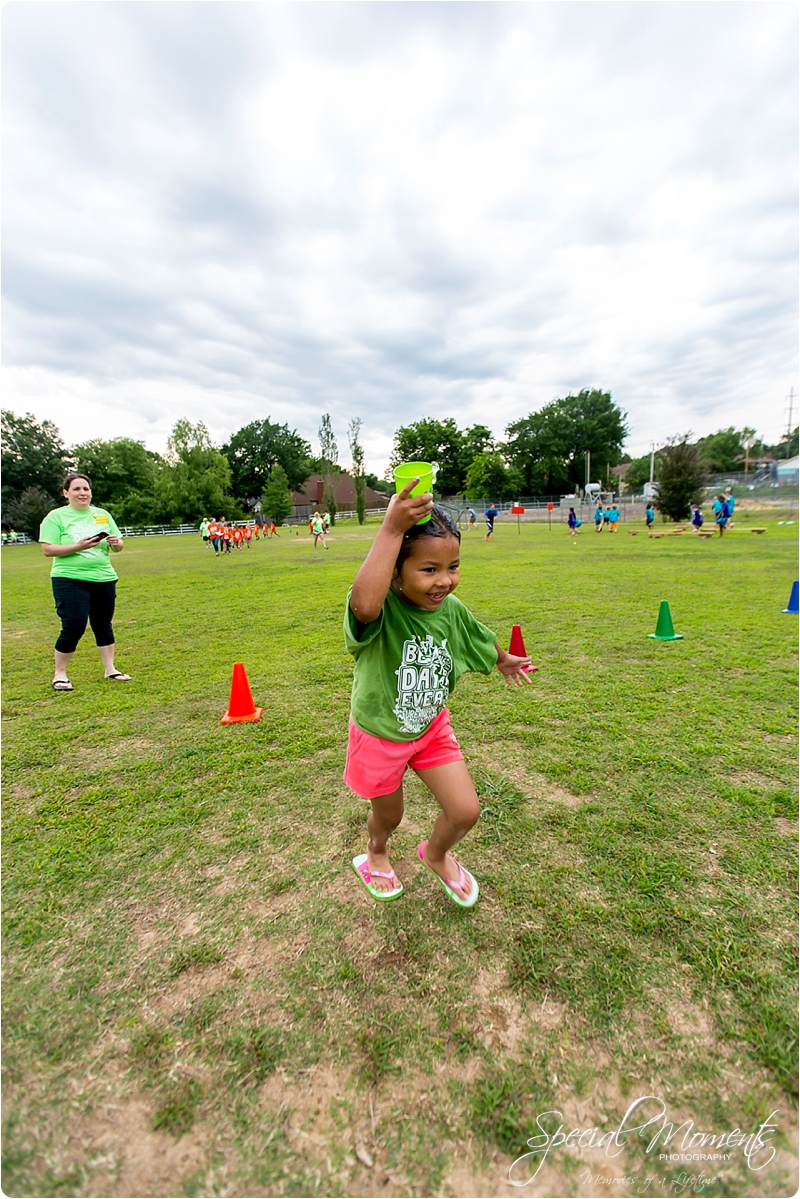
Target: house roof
{"points": [[344, 493]]}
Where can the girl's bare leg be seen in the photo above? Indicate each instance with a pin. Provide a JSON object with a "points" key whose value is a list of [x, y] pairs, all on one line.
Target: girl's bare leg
{"points": [[386, 814], [455, 793]]}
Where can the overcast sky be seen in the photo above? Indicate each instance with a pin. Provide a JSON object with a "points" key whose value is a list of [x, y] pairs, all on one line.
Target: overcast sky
{"points": [[230, 211]]}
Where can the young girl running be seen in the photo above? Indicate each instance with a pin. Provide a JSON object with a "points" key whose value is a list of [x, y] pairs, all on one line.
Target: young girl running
{"points": [[411, 639]]}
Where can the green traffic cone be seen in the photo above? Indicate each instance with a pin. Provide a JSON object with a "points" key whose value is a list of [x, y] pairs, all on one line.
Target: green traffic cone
{"points": [[664, 630]]}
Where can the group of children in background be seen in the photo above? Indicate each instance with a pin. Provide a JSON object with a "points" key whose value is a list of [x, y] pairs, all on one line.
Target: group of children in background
{"points": [[723, 512], [222, 537]]}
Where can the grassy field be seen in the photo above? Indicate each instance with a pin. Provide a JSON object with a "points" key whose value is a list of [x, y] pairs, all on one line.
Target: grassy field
{"points": [[200, 998]]}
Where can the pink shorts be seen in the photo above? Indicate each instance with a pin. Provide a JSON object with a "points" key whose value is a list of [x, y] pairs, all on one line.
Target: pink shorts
{"points": [[376, 767]]}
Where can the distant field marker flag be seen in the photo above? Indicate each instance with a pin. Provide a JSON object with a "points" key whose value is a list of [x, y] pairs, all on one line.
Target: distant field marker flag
{"points": [[517, 510], [550, 517]]}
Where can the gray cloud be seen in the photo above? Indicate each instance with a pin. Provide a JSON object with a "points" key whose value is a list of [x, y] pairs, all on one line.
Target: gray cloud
{"points": [[228, 210]]}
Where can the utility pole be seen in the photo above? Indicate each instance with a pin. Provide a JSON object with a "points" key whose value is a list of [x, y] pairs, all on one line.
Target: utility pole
{"points": [[790, 398], [588, 469], [652, 460]]}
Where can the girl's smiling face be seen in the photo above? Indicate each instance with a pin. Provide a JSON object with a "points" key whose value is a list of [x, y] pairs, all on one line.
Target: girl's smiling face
{"points": [[429, 573]]}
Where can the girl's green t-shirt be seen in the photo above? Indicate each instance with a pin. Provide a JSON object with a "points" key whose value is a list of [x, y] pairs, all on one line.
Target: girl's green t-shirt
{"points": [[409, 660], [67, 526]]}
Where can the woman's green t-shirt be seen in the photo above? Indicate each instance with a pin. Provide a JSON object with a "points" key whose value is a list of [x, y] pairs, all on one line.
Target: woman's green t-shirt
{"points": [[67, 526]]}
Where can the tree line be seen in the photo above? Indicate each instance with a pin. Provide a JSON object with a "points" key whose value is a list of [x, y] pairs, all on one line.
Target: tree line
{"points": [[543, 453]]}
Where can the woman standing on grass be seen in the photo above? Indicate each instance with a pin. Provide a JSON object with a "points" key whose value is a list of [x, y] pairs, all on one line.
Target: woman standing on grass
{"points": [[411, 639], [318, 530], [80, 538]]}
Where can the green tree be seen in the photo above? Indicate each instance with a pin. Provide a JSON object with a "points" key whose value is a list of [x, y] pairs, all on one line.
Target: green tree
{"points": [[538, 447], [277, 499], [123, 475], [254, 450], [359, 480], [476, 440], [549, 447], [723, 451], [33, 455], [196, 479], [329, 454], [638, 473], [681, 478], [382, 485], [433, 441], [489, 476], [27, 510], [788, 446]]}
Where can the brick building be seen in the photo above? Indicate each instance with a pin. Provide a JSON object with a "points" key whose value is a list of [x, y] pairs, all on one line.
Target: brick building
{"points": [[313, 496]]}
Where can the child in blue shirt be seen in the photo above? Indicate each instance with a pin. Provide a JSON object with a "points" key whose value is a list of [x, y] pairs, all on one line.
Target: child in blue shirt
{"points": [[649, 515], [598, 519]]}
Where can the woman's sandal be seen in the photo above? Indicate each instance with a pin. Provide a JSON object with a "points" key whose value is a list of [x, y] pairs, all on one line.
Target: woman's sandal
{"points": [[119, 677], [361, 867], [62, 685], [449, 883]]}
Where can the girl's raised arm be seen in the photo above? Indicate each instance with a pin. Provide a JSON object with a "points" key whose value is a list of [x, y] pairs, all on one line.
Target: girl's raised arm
{"points": [[374, 579]]}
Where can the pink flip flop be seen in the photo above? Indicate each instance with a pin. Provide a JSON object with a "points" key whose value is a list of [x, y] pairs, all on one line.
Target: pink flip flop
{"points": [[361, 867], [449, 883]]}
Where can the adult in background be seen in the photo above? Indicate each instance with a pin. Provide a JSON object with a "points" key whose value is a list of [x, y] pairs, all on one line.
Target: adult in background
{"points": [[490, 516], [318, 530], [80, 539]]}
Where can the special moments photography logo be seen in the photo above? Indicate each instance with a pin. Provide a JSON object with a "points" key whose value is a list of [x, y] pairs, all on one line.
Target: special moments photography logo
{"points": [[668, 1143]]}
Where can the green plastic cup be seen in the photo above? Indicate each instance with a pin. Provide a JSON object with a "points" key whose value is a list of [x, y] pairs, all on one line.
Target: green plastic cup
{"points": [[424, 471]]}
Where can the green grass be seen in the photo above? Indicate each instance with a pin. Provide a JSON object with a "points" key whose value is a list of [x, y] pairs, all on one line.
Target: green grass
{"points": [[186, 942]]}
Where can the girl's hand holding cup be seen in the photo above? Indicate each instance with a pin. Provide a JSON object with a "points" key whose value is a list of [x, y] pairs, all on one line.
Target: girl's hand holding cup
{"points": [[406, 510]]}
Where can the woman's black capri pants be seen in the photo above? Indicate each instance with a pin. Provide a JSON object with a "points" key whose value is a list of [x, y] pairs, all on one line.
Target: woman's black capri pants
{"points": [[78, 600]]}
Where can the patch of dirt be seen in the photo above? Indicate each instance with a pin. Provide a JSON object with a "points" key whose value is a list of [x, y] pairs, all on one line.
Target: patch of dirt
{"points": [[787, 828], [510, 1021], [526, 780], [229, 874], [688, 1019], [189, 925], [149, 1163], [19, 791], [133, 745]]}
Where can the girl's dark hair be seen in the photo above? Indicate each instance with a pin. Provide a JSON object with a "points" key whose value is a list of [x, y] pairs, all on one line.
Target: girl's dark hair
{"points": [[441, 524], [78, 474]]}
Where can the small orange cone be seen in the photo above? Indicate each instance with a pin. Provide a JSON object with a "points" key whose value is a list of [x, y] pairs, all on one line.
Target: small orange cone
{"points": [[240, 706], [517, 646]]}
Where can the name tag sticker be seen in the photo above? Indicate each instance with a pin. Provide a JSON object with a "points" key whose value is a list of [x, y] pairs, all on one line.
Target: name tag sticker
{"points": [[99, 519]]}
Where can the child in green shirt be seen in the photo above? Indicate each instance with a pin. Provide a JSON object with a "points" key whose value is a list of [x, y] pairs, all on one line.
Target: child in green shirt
{"points": [[411, 639]]}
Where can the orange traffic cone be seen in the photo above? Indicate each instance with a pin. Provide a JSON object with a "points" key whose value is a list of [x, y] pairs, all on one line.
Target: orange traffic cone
{"points": [[517, 646], [240, 706]]}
